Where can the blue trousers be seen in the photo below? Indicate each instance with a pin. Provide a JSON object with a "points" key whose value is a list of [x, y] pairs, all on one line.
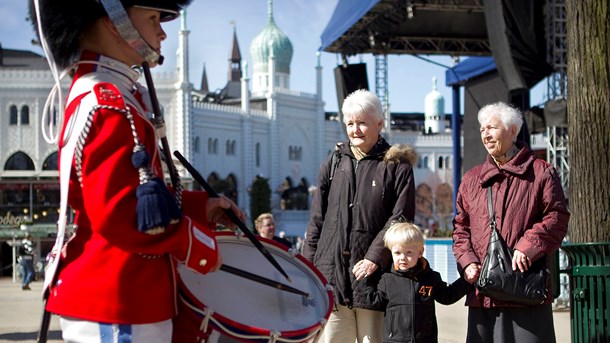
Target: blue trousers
{"points": [[27, 269]]}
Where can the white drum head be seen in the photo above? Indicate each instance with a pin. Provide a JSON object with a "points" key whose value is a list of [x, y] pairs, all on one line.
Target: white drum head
{"points": [[246, 305]]}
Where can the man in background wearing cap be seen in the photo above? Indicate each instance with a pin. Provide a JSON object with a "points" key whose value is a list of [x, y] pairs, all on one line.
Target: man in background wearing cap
{"points": [[116, 276]]}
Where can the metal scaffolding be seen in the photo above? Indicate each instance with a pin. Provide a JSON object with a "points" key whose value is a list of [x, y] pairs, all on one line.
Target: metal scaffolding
{"points": [[381, 89], [557, 147]]}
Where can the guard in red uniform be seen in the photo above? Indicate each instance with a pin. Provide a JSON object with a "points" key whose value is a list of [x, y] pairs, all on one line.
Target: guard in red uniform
{"points": [[115, 278]]}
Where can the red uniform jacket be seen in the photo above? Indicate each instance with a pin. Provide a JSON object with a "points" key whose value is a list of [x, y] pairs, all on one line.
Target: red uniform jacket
{"points": [[110, 272]]}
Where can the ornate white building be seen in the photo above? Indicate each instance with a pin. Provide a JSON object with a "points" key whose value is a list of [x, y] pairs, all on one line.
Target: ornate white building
{"points": [[254, 126]]}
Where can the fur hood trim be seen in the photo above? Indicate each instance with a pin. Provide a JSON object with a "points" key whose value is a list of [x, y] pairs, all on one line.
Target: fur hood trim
{"points": [[400, 153]]}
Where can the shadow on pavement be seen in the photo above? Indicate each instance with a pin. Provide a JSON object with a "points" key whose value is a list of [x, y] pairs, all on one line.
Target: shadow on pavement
{"points": [[29, 336]]}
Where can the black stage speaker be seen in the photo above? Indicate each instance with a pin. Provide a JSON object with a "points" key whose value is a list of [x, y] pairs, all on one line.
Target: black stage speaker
{"points": [[349, 78], [515, 30]]}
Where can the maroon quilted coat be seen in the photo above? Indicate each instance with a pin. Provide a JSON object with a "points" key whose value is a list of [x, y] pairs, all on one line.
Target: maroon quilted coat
{"points": [[530, 208]]}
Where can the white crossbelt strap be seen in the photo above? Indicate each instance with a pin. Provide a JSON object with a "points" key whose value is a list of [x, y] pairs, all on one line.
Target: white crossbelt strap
{"points": [[73, 131]]}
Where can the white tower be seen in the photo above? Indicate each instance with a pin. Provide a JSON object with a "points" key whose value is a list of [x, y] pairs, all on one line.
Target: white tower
{"points": [[434, 111]]}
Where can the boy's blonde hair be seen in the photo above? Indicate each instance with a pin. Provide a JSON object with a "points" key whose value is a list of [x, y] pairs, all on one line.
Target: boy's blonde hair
{"points": [[403, 233]]}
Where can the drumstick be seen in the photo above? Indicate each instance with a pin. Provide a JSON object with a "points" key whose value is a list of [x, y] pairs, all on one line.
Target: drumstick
{"points": [[260, 279], [231, 214], [160, 124]]}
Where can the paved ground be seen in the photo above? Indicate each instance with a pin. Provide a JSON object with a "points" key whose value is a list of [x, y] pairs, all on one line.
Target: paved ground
{"points": [[20, 313]]}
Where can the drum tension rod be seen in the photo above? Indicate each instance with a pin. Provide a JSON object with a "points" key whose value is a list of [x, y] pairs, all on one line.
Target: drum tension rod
{"points": [[212, 194]]}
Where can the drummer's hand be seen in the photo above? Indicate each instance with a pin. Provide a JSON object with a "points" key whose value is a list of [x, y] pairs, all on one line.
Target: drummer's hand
{"points": [[216, 211], [364, 268]]}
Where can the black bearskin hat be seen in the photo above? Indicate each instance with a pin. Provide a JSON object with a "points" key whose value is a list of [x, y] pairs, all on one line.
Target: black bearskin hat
{"points": [[64, 21]]}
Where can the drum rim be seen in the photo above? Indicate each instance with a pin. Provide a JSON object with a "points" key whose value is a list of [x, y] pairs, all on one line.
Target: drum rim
{"points": [[185, 295], [232, 325]]}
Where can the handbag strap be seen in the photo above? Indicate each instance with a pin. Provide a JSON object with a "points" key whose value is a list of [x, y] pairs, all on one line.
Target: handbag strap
{"points": [[492, 215]]}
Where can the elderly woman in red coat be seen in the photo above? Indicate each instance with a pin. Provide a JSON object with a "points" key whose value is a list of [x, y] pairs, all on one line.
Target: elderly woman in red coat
{"points": [[531, 215]]}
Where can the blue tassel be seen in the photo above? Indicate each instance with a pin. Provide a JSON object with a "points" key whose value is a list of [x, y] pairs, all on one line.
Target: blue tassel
{"points": [[139, 158], [152, 210], [156, 207]]}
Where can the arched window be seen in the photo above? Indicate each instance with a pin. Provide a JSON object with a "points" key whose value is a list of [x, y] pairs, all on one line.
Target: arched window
{"points": [[19, 161], [196, 144], [25, 115], [51, 162], [440, 162], [210, 146], [52, 118], [13, 115], [257, 154], [215, 146], [425, 162]]}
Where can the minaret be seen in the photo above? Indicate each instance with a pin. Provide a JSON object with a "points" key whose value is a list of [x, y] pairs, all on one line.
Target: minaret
{"points": [[274, 128], [182, 120], [183, 53], [434, 111], [319, 146], [235, 60], [248, 144]]}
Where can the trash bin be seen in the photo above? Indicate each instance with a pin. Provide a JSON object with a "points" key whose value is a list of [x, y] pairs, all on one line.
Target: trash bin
{"points": [[589, 272]]}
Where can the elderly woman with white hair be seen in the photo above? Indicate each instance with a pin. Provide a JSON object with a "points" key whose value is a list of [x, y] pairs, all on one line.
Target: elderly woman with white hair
{"points": [[531, 215], [363, 187]]}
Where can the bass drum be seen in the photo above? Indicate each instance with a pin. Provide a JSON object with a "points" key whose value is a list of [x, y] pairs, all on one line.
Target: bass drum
{"points": [[222, 307]]}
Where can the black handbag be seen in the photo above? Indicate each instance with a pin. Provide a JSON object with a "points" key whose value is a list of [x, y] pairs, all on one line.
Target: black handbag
{"points": [[498, 280]]}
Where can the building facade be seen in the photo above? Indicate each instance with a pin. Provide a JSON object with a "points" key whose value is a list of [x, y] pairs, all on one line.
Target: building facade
{"points": [[252, 127]]}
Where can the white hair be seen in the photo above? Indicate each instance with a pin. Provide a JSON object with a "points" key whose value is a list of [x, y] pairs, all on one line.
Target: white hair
{"points": [[509, 115], [362, 101]]}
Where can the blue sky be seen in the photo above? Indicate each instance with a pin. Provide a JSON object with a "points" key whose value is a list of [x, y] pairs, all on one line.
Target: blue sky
{"points": [[211, 26]]}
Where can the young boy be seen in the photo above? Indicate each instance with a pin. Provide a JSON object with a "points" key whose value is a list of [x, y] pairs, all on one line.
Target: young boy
{"points": [[407, 292]]}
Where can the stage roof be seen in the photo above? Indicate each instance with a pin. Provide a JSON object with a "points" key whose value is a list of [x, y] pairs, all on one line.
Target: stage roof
{"points": [[430, 27], [468, 69]]}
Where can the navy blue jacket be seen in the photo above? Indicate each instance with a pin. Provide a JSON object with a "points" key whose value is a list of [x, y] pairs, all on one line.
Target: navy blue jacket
{"points": [[408, 300]]}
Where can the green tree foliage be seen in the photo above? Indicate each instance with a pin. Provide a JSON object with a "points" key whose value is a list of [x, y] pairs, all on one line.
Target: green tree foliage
{"points": [[260, 197]]}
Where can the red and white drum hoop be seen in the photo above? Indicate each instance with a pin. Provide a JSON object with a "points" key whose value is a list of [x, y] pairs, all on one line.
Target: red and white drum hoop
{"points": [[250, 311]]}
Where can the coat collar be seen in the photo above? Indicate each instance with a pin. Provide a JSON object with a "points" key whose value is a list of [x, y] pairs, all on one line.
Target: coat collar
{"points": [[518, 165], [377, 152], [415, 272], [123, 75]]}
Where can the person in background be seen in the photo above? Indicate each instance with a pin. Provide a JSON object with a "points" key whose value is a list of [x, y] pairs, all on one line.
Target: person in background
{"points": [[116, 275], [26, 261], [265, 226], [408, 291], [531, 216], [363, 187]]}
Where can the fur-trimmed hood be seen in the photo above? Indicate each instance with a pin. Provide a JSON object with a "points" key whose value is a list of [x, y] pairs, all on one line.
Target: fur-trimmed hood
{"points": [[401, 153]]}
